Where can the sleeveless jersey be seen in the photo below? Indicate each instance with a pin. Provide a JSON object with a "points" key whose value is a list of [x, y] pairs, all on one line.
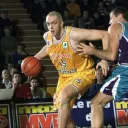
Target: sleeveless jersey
{"points": [[123, 46], [65, 59]]}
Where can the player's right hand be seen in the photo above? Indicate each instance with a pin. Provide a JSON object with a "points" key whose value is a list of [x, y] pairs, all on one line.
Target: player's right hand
{"points": [[104, 65]]}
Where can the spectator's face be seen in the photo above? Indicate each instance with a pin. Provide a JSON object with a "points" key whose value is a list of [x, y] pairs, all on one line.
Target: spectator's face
{"points": [[7, 32], [10, 66], [66, 14], [99, 74], [12, 71], [85, 14], [54, 25], [5, 74], [34, 83], [101, 4], [4, 15], [20, 49], [96, 15], [16, 78]]}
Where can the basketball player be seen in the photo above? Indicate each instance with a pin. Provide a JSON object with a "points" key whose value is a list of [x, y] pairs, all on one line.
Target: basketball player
{"points": [[76, 73], [116, 87]]}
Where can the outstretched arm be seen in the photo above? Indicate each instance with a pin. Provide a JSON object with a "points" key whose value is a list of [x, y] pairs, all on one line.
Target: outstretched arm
{"points": [[90, 35], [111, 52]]}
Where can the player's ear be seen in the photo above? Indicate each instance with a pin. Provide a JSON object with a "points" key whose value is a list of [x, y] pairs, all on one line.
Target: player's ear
{"points": [[120, 16], [62, 23]]}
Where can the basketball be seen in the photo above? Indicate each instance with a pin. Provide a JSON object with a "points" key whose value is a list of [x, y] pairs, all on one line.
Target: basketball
{"points": [[31, 66]]}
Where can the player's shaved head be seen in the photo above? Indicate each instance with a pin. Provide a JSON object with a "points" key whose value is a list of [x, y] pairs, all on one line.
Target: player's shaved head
{"points": [[57, 14]]}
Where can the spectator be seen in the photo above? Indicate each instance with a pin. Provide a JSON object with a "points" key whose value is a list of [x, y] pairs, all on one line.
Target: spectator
{"points": [[74, 9], [6, 81], [8, 44], [85, 21], [104, 14], [100, 78], [21, 90], [9, 66], [37, 91], [68, 20], [18, 56], [12, 71], [97, 22], [84, 4], [59, 6], [4, 21], [39, 11]]}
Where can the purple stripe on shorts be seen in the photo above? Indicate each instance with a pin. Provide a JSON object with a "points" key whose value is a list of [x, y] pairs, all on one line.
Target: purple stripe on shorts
{"points": [[108, 89]]}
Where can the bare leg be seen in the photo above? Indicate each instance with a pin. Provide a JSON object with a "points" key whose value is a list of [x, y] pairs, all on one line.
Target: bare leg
{"points": [[71, 124], [65, 110], [97, 114]]}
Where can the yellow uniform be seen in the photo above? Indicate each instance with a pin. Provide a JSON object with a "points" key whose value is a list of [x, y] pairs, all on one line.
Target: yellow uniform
{"points": [[73, 69]]}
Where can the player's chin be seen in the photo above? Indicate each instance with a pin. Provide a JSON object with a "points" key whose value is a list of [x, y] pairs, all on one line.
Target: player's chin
{"points": [[53, 33]]}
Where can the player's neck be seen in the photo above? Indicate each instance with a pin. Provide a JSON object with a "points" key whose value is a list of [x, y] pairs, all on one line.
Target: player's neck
{"points": [[60, 35]]}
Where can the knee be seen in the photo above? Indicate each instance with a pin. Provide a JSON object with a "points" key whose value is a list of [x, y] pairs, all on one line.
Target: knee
{"points": [[64, 97], [97, 103]]}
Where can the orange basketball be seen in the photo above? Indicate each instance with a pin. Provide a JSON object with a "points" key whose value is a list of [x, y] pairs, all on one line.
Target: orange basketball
{"points": [[31, 66]]}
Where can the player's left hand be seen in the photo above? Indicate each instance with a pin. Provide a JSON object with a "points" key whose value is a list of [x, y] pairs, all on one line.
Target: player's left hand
{"points": [[85, 49]]}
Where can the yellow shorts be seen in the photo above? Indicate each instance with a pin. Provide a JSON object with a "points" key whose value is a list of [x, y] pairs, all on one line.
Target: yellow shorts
{"points": [[80, 80]]}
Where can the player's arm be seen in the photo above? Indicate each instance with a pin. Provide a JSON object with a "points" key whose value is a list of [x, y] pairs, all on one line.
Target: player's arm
{"points": [[111, 52], [90, 35], [43, 52]]}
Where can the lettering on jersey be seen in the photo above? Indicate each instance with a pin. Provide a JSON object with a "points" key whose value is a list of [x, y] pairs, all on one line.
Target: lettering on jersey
{"points": [[65, 44], [64, 71], [56, 56]]}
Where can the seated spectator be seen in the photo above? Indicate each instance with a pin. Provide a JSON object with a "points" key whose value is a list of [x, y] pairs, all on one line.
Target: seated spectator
{"points": [[4, 21], [9, 66], [103, 14], [6, 81], [68, 20], [12, 70], [74, 9], [18, 56], [8, 44], [21, 90], [100, 78], [37, 91], [85, 21]]}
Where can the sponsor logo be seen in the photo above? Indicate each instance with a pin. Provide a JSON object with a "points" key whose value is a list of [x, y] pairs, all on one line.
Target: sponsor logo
{"points": [[36, 116], [121, 111], [55, 56]]}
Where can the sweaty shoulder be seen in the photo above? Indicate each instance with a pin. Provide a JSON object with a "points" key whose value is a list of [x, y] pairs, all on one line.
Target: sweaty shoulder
{"points": [[77, 34], [115, 27]]}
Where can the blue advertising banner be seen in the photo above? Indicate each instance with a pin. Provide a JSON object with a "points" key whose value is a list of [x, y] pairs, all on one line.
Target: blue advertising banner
{"points": [[82, 116], [40, 114]]}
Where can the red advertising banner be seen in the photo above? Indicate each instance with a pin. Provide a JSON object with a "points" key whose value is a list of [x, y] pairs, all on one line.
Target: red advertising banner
{"points": [[38, 115], [121, 114], [5, 121]]}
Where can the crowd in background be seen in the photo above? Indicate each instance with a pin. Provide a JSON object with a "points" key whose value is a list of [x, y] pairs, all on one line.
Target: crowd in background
{"points": [[88, 14]]}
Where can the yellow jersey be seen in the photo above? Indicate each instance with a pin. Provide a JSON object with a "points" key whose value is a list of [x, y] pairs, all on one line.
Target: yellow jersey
{"points": [[65, 58]]}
